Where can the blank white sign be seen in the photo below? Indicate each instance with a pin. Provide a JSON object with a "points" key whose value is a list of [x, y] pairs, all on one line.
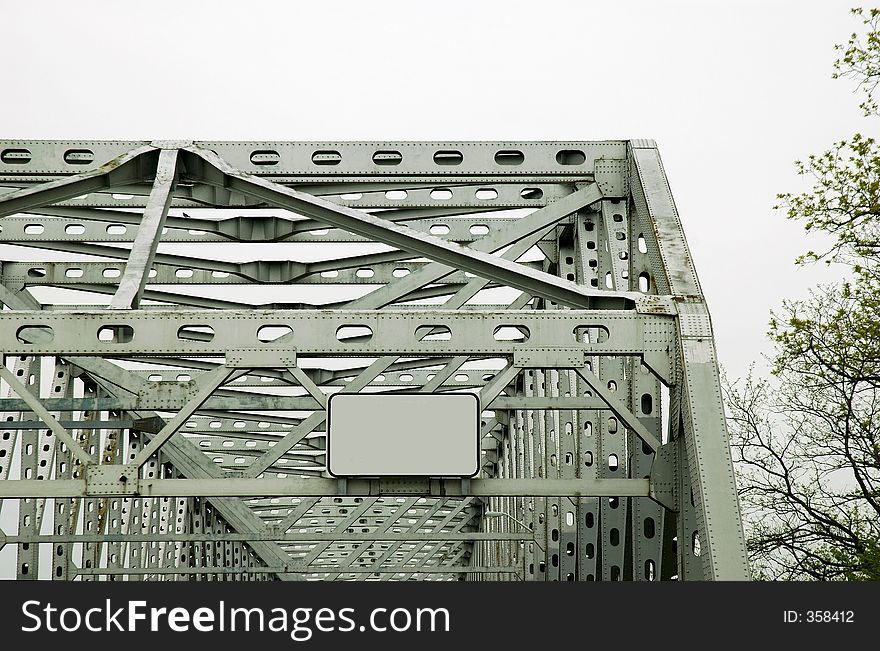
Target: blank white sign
{"points": [[411, 434]]}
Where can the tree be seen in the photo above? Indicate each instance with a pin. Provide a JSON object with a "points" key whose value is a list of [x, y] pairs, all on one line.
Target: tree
{"points": [[807, 441]]}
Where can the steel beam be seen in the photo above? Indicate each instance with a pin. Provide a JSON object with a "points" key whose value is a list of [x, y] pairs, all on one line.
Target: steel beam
{"points": [[143, 249], [308, 536], [293, 568], [717, 542], [474, 333], [127, 167], [296, 487]]}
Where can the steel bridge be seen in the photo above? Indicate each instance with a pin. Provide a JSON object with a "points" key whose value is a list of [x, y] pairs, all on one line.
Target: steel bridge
{"points": [[177, 313]]}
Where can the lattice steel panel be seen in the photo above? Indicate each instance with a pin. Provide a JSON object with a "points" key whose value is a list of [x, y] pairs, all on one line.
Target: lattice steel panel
{"points": [[178, 313]]}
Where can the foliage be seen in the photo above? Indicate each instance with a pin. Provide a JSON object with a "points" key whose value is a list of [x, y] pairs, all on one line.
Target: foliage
{"points": [[844, 201], [807, 442], [860, 59]]}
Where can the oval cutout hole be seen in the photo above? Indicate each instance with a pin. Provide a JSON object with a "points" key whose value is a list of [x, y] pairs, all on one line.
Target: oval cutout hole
{"points": [[16, 156], [117, 334], [73, 273], [74, 229], [511, 333], [116, 229], [647, 403], [441, 194], [531, 194], [570, 157], [79, 156], [644, 282], [509, 157], [433, 333], [30, 334], [590, 334], [354, 334], [387, 157], [195, 333], [479, 229], [439, 229], [613, 463], [649, 527], [395, 195], [400, 272], [326, 157], [448, 157], [34, 229], [486, 194], [269, 333], [37, 272], [265, 157]]}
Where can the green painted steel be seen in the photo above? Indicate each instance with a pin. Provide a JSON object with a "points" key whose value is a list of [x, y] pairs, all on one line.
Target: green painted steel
{"points": [[177, 314]]}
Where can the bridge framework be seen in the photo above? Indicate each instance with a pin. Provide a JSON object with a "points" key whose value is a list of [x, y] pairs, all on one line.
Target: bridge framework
{"points": [[177, 314]]}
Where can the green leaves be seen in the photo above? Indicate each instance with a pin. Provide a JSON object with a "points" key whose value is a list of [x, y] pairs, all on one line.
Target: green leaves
{"points": [[860, 59], [807, 442], [836, 331], [861, 563], [844, 202]]}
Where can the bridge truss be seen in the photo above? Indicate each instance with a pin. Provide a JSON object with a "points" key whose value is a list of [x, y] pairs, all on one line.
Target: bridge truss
{"points": [[176, 315]]}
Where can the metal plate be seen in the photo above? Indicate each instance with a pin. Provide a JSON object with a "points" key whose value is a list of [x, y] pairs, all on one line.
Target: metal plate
{"points": [[411, 434]]}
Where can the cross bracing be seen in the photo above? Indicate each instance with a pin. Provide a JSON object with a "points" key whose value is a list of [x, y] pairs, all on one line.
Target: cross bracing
{"points": [[176, 315]]}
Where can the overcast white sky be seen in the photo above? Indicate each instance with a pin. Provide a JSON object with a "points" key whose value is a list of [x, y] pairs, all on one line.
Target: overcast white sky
{"points": [[732, 92]]}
